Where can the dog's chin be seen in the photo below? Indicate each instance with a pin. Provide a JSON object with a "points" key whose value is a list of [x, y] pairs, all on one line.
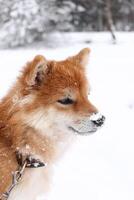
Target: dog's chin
{"points": [[93, 130]]}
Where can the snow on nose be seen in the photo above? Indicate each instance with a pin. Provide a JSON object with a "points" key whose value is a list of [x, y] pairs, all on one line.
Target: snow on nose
{"points": [[98, 119]]}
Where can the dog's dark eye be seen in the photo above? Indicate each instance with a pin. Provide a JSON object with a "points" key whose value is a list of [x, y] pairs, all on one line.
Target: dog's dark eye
{"points": [[66, 101]]}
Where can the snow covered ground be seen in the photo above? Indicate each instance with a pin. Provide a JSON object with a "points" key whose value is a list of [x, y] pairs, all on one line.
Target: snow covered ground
{"points": [[101, 166]]}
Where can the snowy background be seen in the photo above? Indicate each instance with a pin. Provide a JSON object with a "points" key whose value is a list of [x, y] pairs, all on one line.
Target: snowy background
{"points": [[101, 166]]}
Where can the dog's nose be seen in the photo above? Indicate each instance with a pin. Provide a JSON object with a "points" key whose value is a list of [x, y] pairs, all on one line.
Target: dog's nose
{"points": [[97, 119]]}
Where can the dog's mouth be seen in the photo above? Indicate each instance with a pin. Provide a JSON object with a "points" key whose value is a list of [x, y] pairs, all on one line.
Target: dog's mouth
{"points": [[84, 133]]}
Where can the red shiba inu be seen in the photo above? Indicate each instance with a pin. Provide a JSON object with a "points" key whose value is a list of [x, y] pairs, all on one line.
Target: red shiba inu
{"points": [[42, 113]]}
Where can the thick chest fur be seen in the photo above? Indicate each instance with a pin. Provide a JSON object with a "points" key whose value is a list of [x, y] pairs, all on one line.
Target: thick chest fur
{"points": [[35, 181]]}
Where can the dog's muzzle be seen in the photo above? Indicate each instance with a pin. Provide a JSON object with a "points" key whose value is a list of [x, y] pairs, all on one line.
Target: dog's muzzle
{"points": [[88, 124]]}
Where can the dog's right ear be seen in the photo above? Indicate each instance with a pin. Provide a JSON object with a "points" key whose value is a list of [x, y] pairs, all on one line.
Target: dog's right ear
{"points": [[35, 71], [83, 57]]}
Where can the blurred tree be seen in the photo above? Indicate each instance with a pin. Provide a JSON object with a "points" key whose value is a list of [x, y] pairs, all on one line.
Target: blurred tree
{"points": [[109, 18], [20, 24], [23, 22]]}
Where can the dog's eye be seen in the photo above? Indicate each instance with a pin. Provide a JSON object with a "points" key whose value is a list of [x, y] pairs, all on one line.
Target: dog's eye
{"points": [[66, 101]]}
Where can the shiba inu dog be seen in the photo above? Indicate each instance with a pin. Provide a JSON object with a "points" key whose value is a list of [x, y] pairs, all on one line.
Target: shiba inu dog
{"points": [[40, 116]]}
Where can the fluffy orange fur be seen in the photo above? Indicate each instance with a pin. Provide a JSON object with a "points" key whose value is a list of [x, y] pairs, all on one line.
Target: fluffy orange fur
{"points": [[40, 85]]}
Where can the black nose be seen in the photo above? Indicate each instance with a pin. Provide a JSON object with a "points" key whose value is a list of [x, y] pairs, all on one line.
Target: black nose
{"points": [[99, 121]]}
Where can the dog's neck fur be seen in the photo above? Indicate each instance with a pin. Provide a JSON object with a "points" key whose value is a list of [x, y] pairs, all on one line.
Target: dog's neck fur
{"points": [[28, 135]]}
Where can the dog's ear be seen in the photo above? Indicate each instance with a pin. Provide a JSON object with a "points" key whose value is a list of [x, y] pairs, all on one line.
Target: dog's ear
{"points": [[35, 71], [83, 57]]}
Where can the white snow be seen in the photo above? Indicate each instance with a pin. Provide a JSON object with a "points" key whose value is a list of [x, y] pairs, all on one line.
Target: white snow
{"points": [[101, 166]]}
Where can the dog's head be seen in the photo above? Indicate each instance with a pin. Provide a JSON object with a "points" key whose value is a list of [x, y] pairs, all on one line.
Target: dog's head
{"points": [[55, 95]]}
